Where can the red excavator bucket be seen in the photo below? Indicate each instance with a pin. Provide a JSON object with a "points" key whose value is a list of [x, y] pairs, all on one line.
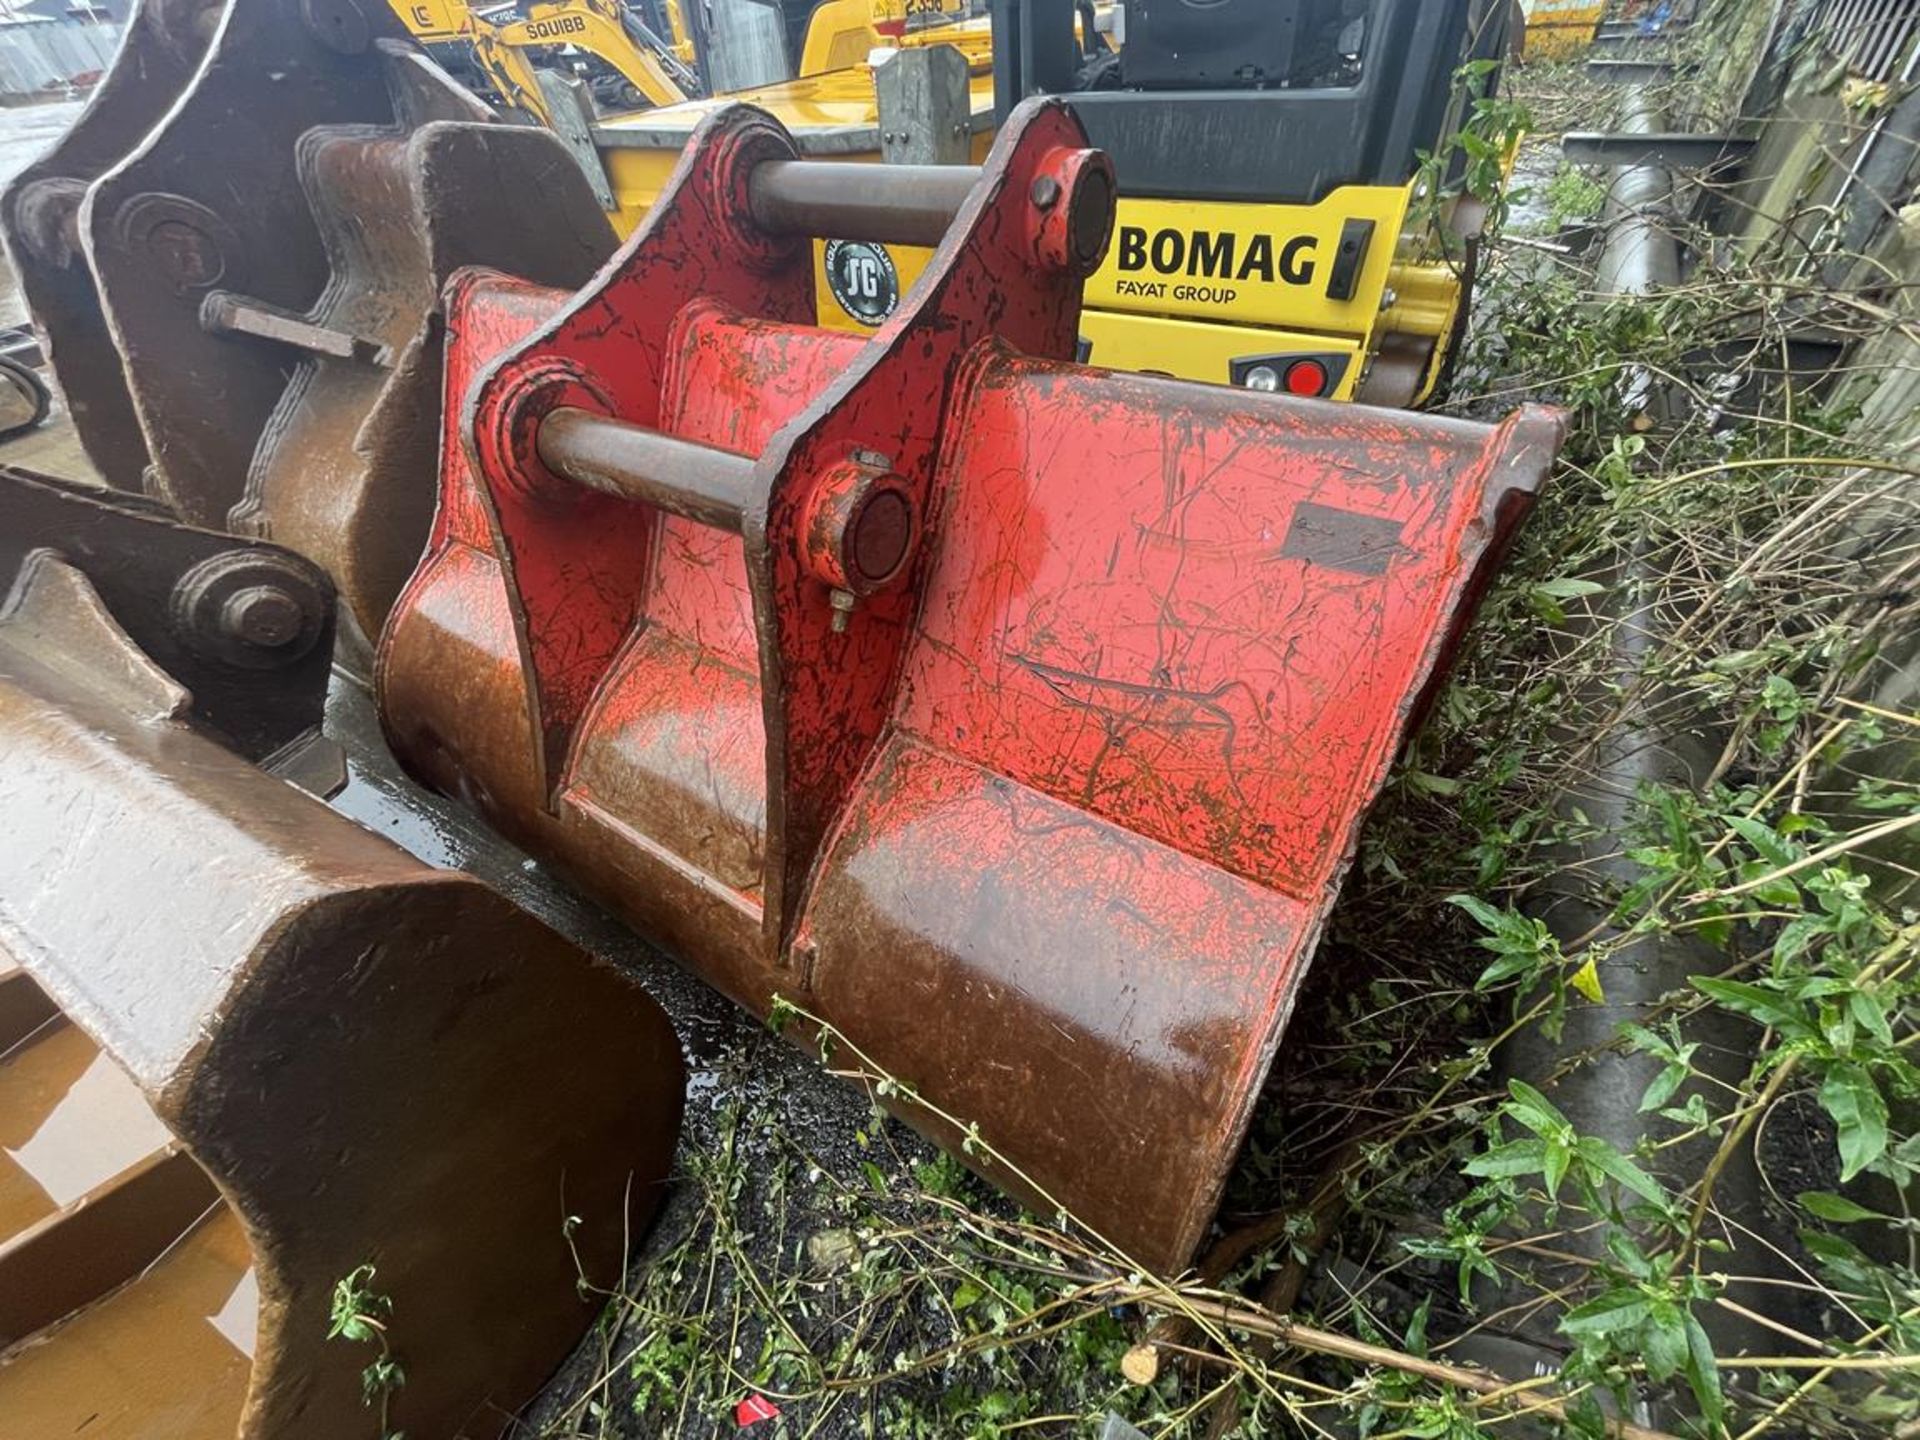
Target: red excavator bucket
{"points": [[1016, 718]]}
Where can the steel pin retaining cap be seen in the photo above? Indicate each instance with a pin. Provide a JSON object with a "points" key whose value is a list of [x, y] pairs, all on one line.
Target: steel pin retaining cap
{"points": [[262, 615]]}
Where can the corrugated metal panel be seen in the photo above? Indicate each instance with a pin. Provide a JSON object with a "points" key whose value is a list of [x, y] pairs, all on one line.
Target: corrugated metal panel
{"points": [[745, 45], [1875, 37], [41, 55]]}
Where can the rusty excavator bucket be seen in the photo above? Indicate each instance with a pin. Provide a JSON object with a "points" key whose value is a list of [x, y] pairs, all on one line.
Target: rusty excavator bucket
{"points": [[1015, 718], [236, 254], [248, 1048]]}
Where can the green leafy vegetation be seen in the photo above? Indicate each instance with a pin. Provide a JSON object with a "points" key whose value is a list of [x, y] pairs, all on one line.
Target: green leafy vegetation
{"points": [[360, 1315], [1573, 196]]}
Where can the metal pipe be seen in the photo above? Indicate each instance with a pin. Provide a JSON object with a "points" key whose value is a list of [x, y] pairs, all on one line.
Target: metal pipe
{"points": [[888, 204], [1601, 1095], [1640, 255], [682, 477]]}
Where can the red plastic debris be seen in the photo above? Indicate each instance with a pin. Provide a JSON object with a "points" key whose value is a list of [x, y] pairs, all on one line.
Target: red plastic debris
{"points": [[754, 1409]]}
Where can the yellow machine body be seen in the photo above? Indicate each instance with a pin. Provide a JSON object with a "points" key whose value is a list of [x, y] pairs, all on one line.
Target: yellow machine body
{"points": [[1196, 289], [841, 34], [1188, 288], [1557, 29]]}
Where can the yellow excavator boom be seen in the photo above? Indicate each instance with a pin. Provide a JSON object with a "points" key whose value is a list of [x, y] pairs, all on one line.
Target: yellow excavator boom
{"points": [[680, 42], [599, 30], [504, 52]]}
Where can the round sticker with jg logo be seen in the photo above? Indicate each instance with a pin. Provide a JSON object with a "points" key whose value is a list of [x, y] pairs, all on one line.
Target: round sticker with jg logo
{"points": [[863, 279]]}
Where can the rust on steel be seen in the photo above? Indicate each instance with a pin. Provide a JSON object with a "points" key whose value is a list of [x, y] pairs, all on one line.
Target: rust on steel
{"points": [[246, 627], [247, 1047], [211, 198], [238, 271], [336, 470], [225, 314], [891, 204], [700, 482], [164, 42]]}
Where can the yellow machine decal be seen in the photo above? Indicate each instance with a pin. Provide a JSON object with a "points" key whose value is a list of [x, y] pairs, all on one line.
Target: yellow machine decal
{"points": [[504, 51], [558, 28], [1252, 264], [1188, 289], [435, 19]]}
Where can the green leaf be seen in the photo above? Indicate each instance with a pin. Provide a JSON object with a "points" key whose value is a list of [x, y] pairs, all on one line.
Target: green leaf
{"points": [[1534, 1110], [1663, 1341], [968, 1294], [1432, 784], [1837, 1208], [1505, 968], [1797, 934], [1693, 1114], [1587, 981], [1870, 1015], [1762, 1004], [1524, 945], [1778, 891], [1818, 987], [1521, 1157], [1703, 1375], [1568, 589], [1485, 915], [997, 1405], [1554, 1168], [1675, 822], [1615, 1310], [1603, 1157], [1416, 1337], [1832, 1250], [1624, 1250], [1506, 929], [1837, 1027], [780, 1013], [1660, 1089], [1766, 844], [1860, 1113]]}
